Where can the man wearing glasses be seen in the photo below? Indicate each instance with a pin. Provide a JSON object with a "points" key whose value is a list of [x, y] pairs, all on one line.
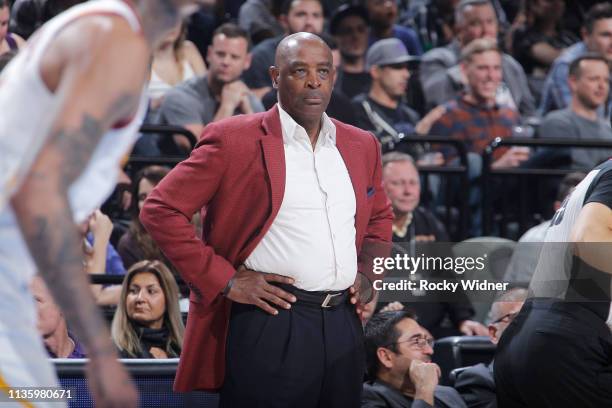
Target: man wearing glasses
{"points": [[476, 384], [401, 374]]}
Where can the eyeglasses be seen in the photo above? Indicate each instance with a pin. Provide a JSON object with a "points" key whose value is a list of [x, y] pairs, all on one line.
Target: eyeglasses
{"points": [[419, 342], [509, 316]]}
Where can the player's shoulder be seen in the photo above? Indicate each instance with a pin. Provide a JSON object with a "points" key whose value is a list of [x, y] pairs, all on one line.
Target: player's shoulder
{"points": [[100, 34]]}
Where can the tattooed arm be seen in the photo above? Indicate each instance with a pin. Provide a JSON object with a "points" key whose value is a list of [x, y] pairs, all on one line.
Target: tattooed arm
{"points": [[86, 66]]}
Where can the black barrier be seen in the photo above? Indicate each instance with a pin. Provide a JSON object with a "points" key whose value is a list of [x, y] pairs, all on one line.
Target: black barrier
{"points": [[524, 172], [153, 378], [164, 131], [102, 279], [460, 170]]}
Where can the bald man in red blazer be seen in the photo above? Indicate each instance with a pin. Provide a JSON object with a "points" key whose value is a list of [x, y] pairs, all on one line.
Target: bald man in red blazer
{"points": [[237, 172]]}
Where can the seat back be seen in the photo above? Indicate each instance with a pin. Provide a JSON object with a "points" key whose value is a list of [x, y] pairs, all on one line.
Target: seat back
{"points": [[461, 351]]}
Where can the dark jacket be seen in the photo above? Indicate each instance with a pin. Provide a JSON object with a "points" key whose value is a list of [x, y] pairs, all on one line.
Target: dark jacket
{"points": [[476, 386], [381, 395]]}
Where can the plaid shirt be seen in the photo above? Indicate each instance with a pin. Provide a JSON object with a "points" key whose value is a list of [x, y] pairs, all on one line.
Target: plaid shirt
{"points": [[476, 125]]}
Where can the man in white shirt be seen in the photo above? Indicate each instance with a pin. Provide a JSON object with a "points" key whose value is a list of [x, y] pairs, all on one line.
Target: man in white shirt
{"points": [[294, 208]]}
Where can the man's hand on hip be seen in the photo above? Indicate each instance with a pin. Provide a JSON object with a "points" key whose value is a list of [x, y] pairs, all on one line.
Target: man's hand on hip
{"points": [[253, 288], [361, 293]]}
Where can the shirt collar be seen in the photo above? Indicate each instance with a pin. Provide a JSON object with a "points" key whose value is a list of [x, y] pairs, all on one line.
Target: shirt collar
{"points": [[402, 230], [290, 128], [463, 99]]}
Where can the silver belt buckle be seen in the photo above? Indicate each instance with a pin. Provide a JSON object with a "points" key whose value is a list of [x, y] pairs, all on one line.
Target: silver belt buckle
{"points": [[328, 298]]}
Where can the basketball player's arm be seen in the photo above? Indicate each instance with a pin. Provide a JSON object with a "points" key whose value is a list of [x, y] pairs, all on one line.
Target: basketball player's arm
{"points": [[592, 235], [98, 89]]}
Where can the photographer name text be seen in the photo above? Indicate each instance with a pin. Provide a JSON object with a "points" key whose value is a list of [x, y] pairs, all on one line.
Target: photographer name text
{"points": [[440, 285]]}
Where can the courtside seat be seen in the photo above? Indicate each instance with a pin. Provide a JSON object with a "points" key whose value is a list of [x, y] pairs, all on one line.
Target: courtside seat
{"points": [[461, 351]]}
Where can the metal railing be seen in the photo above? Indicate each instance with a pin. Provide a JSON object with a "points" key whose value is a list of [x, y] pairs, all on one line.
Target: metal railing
{"points": [[523, 173], [459, 170], [164, 131]]}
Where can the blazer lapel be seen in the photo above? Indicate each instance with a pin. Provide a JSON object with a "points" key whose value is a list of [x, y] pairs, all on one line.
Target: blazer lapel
{"points": [[274, 158]]}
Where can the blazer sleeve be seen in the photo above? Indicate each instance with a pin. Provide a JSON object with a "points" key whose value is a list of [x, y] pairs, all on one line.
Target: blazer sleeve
{"points": [[168, 210], [377, 238], [381, 218]]}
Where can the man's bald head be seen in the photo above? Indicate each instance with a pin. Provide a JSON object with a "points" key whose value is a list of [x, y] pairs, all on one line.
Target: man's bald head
{"points": [[289, 46], [303, 73]]}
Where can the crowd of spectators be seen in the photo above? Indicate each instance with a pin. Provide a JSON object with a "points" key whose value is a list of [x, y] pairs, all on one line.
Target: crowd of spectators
{"points": [[469, 70]]}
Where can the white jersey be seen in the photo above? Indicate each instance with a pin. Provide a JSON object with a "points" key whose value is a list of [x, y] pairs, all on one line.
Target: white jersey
{"points": [[27, 113], [28, 110]]}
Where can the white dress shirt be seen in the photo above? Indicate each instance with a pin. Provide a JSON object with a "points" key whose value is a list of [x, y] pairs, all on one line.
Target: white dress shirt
{"points": [[312, 239]]}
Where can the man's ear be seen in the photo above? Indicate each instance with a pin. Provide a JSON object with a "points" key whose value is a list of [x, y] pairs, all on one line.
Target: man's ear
{"points": [[282, 19], [493, 333], [247, 61], [273, 71], [571, 82], [375, 72], [384, 357], [463, 70]]}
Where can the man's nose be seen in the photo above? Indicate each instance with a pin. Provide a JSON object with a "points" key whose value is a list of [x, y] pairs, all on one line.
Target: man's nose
{"points": [[310, 21], [313, 80]]}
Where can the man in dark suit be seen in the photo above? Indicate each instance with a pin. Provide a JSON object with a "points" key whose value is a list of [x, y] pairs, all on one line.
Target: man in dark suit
{"points": [[398, 353], [294, 208], [476, 384]]}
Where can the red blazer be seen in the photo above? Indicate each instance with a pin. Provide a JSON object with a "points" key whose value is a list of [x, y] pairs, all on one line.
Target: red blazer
{"points": [[237, 171]]}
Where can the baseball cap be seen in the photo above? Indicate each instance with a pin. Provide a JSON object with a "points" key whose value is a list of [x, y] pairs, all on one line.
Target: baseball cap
{"points": [[387, 52], [344, 11]]}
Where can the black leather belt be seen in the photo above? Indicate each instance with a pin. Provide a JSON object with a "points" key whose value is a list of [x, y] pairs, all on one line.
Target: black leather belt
{"points": [[321, 299]]}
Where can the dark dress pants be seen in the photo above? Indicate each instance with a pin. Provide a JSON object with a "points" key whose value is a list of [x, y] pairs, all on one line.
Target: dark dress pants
{"points": [[554, 355], [307, 356]]}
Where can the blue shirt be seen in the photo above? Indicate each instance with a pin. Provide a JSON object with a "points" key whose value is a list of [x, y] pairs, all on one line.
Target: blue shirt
{"points": [[78, 352], [114, 264]]}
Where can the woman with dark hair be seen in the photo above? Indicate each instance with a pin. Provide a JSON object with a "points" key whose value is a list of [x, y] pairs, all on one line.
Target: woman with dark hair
{"points": [[137, 245], [8, 41], [147, 322]]}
